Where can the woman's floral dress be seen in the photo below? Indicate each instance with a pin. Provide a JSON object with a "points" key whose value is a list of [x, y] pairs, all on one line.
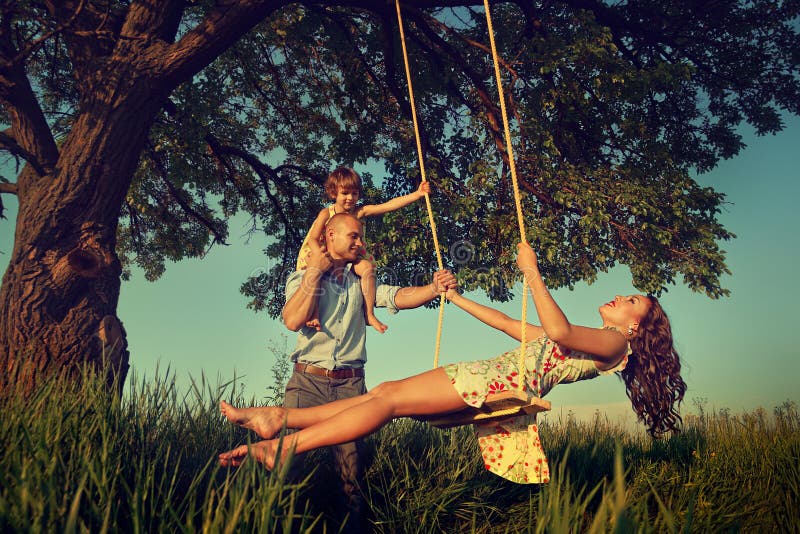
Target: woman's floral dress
{"points": [[511, 447]]}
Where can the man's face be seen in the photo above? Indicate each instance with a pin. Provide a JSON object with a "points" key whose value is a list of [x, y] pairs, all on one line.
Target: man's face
{"points": [[344, 239]]}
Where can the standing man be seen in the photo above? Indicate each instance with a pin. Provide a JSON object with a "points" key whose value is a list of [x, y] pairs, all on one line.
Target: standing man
{"points": [[329, 359]]}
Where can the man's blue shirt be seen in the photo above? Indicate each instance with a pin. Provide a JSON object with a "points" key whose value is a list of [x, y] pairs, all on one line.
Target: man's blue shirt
{"points": [[341, 342]]}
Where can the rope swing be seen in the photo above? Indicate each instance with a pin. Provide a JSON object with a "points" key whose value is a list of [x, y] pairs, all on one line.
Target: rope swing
{"points": [[424, 179], [505, 404], [517, 197]]}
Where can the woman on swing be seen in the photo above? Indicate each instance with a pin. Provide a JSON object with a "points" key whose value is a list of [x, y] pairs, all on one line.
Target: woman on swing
{"points": [[635, 339]]}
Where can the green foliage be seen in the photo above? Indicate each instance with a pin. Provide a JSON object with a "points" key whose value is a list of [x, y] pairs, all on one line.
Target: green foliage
{"points": [[613, 107], [607, 132], [75, 459], [281, 371]]}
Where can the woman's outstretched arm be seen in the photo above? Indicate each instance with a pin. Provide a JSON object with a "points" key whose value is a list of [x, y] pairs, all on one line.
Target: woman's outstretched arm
{"points": [[606, 345], [494, 318]]}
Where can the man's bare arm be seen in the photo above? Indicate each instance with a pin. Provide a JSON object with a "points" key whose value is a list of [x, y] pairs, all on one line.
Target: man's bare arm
{"points": [[299, 308], [415, 296]]}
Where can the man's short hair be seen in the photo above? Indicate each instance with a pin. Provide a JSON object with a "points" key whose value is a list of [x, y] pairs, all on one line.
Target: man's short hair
{"points": [[338, 217]]}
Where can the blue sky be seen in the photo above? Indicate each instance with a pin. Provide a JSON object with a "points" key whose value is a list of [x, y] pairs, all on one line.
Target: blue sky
{"points": [[737, 351]]}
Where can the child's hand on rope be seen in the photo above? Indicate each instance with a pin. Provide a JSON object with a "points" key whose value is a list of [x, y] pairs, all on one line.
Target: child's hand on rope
{"points": [[424, 188]]}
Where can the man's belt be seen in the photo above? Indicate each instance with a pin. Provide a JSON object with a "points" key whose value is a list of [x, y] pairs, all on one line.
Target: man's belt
{"points": [[319, 371]]}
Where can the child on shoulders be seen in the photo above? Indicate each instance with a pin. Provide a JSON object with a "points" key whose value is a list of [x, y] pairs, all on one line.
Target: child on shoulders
{"points": [[343, 187]]}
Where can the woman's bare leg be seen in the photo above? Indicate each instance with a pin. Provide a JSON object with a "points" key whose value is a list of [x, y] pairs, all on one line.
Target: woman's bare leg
{"points": [[266, 421], [428, 393]]}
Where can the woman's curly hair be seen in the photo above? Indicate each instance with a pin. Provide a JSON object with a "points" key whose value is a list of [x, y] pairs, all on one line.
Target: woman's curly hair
{"points": [[652, 375]]}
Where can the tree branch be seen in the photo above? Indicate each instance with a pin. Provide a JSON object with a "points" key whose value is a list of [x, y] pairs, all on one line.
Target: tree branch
{"points": [[218, 30], [389, 23], [8, 143], [149, 19], [253, 82], [262, 170], [30, 136], [231, 19], [89, 33], [34, 45], [491, 110], [135, 226], [219, 236], [8, 188], [373, 5], [302, 171]]}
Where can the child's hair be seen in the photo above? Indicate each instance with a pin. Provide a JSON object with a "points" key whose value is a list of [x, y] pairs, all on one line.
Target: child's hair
{"points": [[653, 373], [343, 177]]}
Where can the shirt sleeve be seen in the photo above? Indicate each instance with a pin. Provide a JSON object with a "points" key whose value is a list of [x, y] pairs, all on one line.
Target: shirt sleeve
{"points": [[384, 298], [293, 284]]}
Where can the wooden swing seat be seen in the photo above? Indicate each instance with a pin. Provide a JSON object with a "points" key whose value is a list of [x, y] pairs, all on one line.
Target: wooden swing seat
{"points": [[497, 406]]}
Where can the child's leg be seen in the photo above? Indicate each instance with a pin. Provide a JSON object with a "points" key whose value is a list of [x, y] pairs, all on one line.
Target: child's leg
{"points": [[305, 251], [365, 270], [428, 393]]}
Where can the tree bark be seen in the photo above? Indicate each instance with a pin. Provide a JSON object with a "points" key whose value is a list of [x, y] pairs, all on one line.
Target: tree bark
{"points": [[59, 295], [54, 298]]}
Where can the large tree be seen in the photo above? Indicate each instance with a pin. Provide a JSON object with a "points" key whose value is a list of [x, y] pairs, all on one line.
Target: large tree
{"points": [[140, 127]]}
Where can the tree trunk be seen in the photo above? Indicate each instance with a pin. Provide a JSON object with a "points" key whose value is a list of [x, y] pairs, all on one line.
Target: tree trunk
{"points": [[59, 295], [58, 304]]}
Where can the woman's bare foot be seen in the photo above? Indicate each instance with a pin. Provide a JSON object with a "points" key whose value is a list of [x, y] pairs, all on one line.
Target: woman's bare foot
{"points": [[264, 452], [266, 421], [233, 457], [376, 324]]}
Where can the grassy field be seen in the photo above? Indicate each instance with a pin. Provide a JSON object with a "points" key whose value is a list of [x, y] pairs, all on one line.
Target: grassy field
{"points": [[74, 460]]}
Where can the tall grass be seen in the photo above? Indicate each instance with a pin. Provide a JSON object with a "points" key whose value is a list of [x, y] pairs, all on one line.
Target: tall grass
{"points": [[75, 458]]}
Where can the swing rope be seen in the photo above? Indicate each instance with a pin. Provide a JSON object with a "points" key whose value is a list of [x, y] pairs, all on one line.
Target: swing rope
{"points": [[503, 405], [424, 179], [515, 183]]}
